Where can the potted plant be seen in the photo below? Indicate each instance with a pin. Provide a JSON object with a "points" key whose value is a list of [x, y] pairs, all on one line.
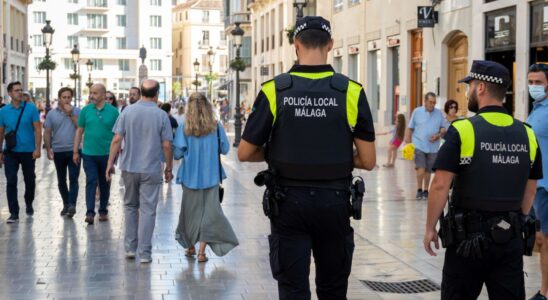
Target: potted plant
{"points": [[47, 64], [238, 64], [290, 31]]}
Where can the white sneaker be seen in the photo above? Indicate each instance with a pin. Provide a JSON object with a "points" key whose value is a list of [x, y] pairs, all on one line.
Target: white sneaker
{"points": [[145, 260], [130, 255]]}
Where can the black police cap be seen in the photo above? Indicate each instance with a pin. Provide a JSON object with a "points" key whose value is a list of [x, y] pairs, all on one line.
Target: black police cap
{"points": [[312, 22], [488, 71]]}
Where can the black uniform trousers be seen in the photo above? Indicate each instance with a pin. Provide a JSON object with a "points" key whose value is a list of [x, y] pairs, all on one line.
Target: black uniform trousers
{"points": [[318, 221], [501, 269]]}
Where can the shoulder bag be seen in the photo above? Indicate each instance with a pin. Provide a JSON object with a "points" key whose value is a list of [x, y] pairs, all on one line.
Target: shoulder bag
{"points": [[221, 188], [11, 137]]}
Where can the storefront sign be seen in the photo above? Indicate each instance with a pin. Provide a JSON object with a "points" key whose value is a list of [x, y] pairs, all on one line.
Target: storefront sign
{"points": [[393, 41], [353, 50], [426, 16], [373, 45], [500, 29]]}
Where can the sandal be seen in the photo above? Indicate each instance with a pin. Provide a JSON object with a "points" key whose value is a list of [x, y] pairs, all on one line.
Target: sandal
{"points": [[202, 257], [190, 252]]}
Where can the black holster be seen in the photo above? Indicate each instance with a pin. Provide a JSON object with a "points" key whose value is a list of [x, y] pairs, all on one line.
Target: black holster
{"points": [[273, 194], [530, 228], [357, 190]]}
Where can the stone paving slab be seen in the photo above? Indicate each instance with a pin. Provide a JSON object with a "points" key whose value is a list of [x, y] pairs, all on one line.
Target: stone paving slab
{"points": [[50, 257]]}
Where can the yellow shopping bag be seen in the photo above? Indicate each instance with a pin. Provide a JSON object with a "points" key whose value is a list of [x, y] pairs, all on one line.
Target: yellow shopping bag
{"points": [[408, 152]]}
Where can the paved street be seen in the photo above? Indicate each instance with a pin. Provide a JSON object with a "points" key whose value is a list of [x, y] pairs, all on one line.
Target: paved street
{"points": [[51, 257]]}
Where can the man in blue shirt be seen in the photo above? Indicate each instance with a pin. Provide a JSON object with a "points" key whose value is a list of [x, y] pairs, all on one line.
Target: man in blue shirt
{"points": [[26, 151], [426, 128], [538, 119]]}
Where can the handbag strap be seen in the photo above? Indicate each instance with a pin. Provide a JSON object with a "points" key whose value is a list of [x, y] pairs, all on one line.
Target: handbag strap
{"points": [[20, 115], [219, 153]]}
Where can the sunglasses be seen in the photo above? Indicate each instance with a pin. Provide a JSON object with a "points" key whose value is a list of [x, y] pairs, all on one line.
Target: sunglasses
{"points": [[110, 98], [452, 106]]}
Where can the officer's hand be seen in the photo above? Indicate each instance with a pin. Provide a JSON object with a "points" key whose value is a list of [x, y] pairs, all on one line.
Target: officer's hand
{"points": [[430, 236]]}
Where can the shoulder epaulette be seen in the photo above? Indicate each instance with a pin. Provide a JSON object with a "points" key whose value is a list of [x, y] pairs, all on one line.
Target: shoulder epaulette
{"points": [[283, 81], [339, 82]]}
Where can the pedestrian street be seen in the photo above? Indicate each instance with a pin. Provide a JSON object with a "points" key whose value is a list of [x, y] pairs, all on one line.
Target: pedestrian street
{"points": [[52, 257]]}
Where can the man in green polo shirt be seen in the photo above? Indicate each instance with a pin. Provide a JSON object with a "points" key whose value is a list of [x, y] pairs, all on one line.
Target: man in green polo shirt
{"points": [[95, 125]]}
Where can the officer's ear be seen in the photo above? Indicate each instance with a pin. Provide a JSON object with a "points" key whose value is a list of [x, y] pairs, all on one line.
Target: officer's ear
{"points": [[330, 45]]}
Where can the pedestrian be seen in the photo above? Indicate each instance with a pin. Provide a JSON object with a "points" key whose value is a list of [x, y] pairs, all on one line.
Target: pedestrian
{"points": [[20, 128], [134, 95], [147, 135], [426, 128], [27, 97], [172, 121], [60, 129], [538, 119], [310, 118], [395, 142], [122, 103], [2, 102], [180, 116], [200, 142], [493, 162], [95, 124], [111, 99], [450, 108]]}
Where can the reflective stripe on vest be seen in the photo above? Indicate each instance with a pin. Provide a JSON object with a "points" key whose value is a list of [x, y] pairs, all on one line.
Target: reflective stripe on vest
{"points": [[468, 137], [352, 95]]}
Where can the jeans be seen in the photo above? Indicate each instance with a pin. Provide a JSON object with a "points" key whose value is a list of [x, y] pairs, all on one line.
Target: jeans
{"points": [[12, 162], [63, 161], [95, 167]]}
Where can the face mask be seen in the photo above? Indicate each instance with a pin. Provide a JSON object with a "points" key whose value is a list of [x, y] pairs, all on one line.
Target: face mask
{"points": [[537, 92]]}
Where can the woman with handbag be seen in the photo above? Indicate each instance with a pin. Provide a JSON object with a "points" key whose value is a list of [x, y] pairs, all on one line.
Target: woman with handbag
{"points": [[199, 142]]}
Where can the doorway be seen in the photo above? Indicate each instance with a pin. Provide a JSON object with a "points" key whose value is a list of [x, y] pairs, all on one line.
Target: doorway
{"points": [[416, 70], [457, 69]]}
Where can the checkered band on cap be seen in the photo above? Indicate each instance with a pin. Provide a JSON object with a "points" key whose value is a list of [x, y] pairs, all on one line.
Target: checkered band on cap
{"points": [[488, 78], [305, 25]]}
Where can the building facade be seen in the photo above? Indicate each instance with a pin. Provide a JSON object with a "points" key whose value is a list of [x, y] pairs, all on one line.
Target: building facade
{"points": [[238, 11], [110, 34], [13, 43], [198, 27]]}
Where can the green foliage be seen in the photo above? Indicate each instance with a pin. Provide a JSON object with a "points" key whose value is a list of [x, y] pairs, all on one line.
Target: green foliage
{"points": [[290, 32], [47, 64], [177, 88], [238, 64]]}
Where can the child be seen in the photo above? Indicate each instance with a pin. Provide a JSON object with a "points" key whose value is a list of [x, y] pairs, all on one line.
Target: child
{"points": [[396, 140]]}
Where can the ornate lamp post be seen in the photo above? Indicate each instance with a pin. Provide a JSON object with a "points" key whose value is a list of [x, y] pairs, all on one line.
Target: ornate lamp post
{"points": [[237, 34], [47, 35], [75, 52], [196, 69], [300, 5], [89, 65], [211, 55]]}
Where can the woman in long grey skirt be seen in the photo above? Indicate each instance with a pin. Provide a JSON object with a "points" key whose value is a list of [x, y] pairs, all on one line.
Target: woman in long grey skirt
{"points": [[198, 142]]}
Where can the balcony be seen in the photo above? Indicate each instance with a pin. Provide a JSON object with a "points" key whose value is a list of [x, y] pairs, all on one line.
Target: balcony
{"points": [[96, 5], [94, 30], [243, 17]]}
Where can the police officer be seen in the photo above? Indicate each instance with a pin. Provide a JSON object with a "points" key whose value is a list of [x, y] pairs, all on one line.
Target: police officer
{"points": [[311, 117], [494, 161]]}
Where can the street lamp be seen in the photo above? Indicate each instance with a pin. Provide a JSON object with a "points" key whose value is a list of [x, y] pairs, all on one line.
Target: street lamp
{"points": [[47, 35], [89, 65], [300, 5], [211, 55], [237, 34], [196, 69], [75, 52]]}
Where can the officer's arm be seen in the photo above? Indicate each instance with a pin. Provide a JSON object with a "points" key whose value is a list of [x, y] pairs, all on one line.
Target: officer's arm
{"points": [[249, 152], [437, 197], [366, 158], [257, 131], [529, 196]]}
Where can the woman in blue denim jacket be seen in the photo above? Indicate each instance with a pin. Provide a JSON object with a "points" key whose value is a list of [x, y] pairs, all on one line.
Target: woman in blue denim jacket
{"points": [[198, 142]]}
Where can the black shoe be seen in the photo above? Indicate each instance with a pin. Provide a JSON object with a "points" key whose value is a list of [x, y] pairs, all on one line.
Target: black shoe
{"points": [[425, 195], [64, 211], [71, 211], [30, 211], [90, 219], [12, 219], [538, 296], [419, 195]]}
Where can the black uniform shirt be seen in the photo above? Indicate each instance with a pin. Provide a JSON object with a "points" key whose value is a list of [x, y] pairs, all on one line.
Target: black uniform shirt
{"points": [[448, 158], [259, 123]]}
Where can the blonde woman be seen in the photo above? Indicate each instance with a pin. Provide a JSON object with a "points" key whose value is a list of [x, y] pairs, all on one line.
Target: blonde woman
{"points": [[198, 142]]}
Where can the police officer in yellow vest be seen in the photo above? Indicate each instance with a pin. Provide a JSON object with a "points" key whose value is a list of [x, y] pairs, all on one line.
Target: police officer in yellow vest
{"points": [[310, 118], [494, 162]]}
